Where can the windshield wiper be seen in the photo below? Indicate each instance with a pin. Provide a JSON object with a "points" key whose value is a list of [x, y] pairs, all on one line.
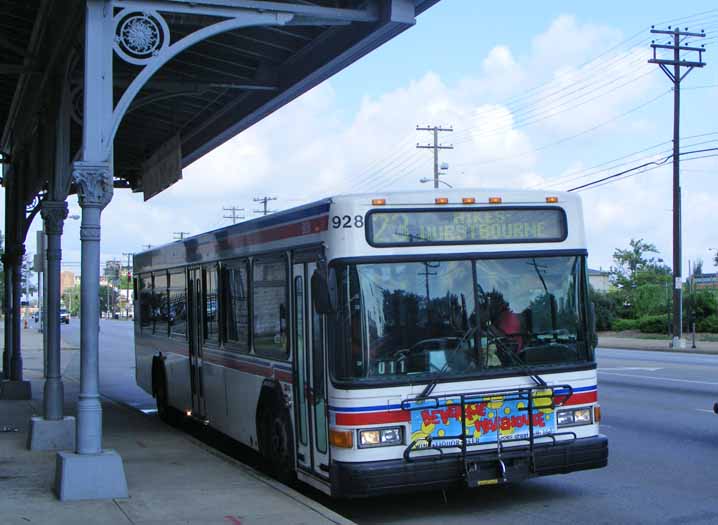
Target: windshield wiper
{"points": [[432, 384]]}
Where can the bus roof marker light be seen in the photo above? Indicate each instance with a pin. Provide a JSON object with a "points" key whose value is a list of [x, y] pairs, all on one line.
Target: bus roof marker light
{"points": [[441, 200], [494, 200], [378, 202], [468, 200], [552, 200]]}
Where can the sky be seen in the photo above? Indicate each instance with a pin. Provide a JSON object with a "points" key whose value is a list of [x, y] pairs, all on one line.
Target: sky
{"points": [[547, 95]]}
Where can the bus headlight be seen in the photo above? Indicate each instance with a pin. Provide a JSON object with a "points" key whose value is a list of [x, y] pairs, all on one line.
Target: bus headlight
{"points": [[381, 437], [574, 417]]}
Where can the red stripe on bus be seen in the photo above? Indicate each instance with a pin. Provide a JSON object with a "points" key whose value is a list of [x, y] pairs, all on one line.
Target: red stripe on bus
{"points": [[282, 232], [374, 418], [579, 398], [282, 375]]}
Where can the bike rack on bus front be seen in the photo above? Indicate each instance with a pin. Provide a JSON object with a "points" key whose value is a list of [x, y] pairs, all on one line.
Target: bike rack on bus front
{"points": [[558, 395]]}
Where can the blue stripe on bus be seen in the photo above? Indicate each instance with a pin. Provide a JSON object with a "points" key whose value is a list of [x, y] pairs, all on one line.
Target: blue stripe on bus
{"points": [[397, 407]]}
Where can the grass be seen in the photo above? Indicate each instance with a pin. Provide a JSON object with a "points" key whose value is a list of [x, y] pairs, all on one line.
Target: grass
{"points": [[635, 334]]}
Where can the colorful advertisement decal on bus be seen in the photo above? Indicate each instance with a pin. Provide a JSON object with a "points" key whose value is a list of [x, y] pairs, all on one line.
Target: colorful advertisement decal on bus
{"points": [[488, 419]]}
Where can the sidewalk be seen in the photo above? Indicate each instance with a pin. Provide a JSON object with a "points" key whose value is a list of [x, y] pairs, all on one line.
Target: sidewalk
{"points": [[172, 477], [660, 345]]}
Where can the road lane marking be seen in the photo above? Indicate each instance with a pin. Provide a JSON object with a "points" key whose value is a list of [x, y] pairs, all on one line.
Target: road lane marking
{"points": [[712, 383], [621, 368], [705, 410]]}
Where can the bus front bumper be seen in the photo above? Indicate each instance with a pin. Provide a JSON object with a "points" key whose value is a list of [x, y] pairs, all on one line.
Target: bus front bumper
{"points": [[356, 480]]}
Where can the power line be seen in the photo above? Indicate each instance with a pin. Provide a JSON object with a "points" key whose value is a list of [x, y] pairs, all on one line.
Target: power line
{"points": [[645, 164], [401, 156], [570, 137], [436, 147], [264, 200], [616, 163], [233, 213]]}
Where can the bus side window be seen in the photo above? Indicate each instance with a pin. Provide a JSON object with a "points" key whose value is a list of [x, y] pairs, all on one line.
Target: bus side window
{"points": [[269, 307], [144, 296], [178, 304], [211, 319], [235, 305], [160, 304]]}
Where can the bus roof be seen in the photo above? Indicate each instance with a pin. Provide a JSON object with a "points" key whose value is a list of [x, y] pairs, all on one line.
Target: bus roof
{"points": [[276, 229]]}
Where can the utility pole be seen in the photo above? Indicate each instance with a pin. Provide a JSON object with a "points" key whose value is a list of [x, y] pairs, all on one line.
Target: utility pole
{"points": [[179, 236], [233, 216], [264, 200], [676, 76], [436, 147], [129, 277]]}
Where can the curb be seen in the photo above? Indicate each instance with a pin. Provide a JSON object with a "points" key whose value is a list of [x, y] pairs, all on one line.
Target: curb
{"points": [[656, 348], [276, 485]]}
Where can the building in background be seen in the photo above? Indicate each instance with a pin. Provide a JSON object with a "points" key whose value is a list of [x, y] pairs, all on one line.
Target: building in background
{"points": [[598, 279], [67, 281], [706, 280]]}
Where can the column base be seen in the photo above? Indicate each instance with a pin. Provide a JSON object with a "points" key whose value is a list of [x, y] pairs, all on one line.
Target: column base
{"points": [[15, 390], [48, 434], [89, 476]]}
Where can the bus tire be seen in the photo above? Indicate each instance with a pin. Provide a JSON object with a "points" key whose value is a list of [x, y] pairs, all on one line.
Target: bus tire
{"points": [[280, 444], [159, 387]]}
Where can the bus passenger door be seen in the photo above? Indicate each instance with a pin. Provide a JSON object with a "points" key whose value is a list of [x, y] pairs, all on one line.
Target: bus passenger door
{"points": [[316, 335], [196, 341], [302, 392]]}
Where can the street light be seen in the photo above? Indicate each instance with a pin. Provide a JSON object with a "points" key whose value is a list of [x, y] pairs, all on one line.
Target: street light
{"points": [[432, 180]]}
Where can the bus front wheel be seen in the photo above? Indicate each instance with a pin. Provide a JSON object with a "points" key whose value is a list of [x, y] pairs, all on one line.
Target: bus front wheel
{"points": [[280, 445]]}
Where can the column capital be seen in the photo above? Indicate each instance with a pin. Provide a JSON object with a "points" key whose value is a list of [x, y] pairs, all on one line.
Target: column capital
{"points": [[94, 183], [54, 214]]}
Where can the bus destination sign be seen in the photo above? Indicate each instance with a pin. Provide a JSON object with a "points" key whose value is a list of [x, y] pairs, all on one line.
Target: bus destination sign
{"points": [[452, 226]]}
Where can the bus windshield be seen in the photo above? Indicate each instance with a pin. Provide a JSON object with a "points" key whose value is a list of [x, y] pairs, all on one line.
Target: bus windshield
{"points": [[408, 321]]}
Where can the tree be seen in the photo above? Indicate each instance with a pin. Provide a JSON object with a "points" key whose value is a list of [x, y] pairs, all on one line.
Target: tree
{"points": [[71, 299], [641, 280]]}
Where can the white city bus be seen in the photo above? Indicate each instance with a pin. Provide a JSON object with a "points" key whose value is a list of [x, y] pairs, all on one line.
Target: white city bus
{"points": [[370, 344]]}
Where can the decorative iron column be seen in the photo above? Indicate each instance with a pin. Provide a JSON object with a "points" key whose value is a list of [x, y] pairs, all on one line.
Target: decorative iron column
{"points": [[94, 186], [7, 308], [16, 253], [54, 214]]}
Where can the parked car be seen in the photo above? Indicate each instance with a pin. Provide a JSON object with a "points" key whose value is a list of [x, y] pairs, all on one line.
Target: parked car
{"points": [[64, 316]]}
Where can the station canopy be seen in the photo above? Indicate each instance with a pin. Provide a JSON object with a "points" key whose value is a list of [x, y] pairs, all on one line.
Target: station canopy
{"points": [[200, 98]]}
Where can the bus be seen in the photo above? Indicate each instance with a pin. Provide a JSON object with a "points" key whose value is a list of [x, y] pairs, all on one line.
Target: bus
{"points": [[379, 343]]}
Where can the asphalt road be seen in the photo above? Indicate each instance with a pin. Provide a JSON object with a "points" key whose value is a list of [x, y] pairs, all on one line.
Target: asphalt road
{"points": [[657, 414]]}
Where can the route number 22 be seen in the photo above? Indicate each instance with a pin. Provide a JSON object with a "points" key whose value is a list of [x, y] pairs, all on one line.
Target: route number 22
{"points": [[347, 221]]}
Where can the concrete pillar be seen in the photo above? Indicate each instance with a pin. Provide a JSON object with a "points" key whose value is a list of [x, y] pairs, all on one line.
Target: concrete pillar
{"points": [[53, 431], [90, 473]]}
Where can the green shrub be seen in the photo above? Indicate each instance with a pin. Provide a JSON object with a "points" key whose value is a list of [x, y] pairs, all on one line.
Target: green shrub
{"points": [[605, 308], [653, 324], [625, 324], [708, 324]]}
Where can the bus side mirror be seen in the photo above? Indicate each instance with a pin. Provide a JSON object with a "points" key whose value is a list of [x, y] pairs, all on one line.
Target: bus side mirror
{"points": [[324, 292]]}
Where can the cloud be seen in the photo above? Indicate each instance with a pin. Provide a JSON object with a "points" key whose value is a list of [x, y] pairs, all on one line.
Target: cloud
{"points": [[506, 112]]}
